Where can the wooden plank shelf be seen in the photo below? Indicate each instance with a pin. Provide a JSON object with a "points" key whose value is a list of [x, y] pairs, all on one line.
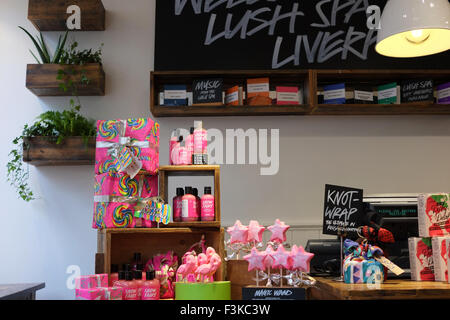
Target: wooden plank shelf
{"points": [[310, 81], [116, 246], [42, 79], [71, 152], [191, 171], [51, 15]]}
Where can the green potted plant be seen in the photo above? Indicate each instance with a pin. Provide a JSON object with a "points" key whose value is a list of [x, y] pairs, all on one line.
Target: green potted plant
{"points": [[68, 71], [55, 138]]}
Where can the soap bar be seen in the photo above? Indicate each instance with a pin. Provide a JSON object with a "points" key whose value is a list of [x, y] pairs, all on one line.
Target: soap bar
{"points": [[434, 215], [421, 259]]}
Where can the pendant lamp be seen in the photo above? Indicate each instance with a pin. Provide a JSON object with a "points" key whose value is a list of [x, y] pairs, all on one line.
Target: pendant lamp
{"points": [[414, 28]]}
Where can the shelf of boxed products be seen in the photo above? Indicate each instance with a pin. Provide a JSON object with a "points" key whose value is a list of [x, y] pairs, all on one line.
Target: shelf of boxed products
{"points": [[369, 83], [191, 171], [115, 246], [237, 79], [310, 83]]}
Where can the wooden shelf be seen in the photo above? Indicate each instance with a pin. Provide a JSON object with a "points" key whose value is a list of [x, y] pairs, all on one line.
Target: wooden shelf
{"points": [[71, 152], [42, 79], [51, 15], [191, 171], [310, 80], [116, 246]]}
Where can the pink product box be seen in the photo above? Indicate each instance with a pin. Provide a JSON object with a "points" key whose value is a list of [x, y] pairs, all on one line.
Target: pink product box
{"points": [[434, 215], [91, 294], [440, 256], [113, 215], [421, 259], [140, 135], [121, 185], [91, 281], [114, 294]]}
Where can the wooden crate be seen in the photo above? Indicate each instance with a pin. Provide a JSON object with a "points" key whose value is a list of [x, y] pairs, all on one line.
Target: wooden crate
{"points": [[42, 79], [116, 246], [194, 170], [51, 15], [72, 151]]}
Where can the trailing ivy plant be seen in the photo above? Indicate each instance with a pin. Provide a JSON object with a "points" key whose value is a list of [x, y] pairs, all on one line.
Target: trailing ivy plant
{"points": [[54, 125]]}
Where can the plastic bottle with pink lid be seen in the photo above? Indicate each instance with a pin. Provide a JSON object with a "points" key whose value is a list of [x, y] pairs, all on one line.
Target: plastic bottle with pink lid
{"points": [[172, 143], [200, 138], [130, 290], [189, 211], [208, 206], [150, 287], [190, 145]]}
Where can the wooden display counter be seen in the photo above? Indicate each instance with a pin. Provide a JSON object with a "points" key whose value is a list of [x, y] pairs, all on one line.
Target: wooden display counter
{"points": [[327, 289]]}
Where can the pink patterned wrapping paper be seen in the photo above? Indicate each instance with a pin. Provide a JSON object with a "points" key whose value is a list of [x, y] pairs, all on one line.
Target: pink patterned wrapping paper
{"points": [[138, 131], [121, 185], [114, 293], [91, 294], [91, 281], [113, 215]]}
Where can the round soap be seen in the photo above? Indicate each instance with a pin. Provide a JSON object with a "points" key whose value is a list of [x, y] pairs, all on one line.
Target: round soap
{"points": [[220, 290]]}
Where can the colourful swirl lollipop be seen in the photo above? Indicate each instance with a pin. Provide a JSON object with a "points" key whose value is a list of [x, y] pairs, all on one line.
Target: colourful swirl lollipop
{"points": [[100, 209], [137, 124], [128, 187], [122, 216], [108, 129]]}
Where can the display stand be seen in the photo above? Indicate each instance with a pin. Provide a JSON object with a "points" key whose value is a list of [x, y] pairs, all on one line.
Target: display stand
{"points": [[341, 237]]}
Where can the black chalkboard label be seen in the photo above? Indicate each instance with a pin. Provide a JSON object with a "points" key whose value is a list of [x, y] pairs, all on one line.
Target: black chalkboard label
{"points": [[269, 34], [257, 293], [417, 90], [207, 91], [343, 210]]}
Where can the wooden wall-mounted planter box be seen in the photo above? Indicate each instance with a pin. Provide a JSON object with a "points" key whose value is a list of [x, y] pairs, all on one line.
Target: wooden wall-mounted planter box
{"points": [[42, 79], [71, 152], [116, 246], [51, 15]]}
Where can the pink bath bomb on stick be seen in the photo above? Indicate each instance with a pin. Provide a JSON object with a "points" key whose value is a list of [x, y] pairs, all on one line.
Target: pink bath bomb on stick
{"points": [[255, 231], [278, 230], [300, 259], [255, 260], [238, 233], [280, 258]]}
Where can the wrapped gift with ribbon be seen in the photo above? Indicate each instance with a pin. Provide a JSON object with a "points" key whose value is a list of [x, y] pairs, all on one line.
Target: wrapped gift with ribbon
{"points": [[129, 146], [360, 264], [122, 185]]}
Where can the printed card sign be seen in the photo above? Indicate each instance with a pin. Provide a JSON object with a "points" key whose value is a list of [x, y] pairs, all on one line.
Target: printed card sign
{"points": [[343, 209], [413, 91], [208, 91]]}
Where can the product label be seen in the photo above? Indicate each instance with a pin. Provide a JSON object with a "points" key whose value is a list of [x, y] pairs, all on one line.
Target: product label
{"points": [[150, 294], [177, 208], [444, 93], [386, 94], [363, 95], [207, 208], [288, 96], [258, 87], [185, 208], [175, 94], [232, 97], [334, 94], [130, 294]]}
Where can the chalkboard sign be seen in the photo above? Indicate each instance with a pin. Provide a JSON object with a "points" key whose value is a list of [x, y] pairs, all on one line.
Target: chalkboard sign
{"points": [[207, 91], [257, 293], [282, 34], [414, 91], [343, 210]]}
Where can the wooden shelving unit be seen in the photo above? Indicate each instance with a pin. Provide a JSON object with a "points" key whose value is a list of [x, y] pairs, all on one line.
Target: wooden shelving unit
{"points": [[71, 152], [310, 81], [198, 170], [51, 15], [116, 246], [42, 79], [231, 78]]}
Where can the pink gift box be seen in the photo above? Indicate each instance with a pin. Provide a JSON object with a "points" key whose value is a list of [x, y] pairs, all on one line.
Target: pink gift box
{"points": [[114, 293], [440, 252], [91, 281], [434, 215], [138, 132], [121, 185], [421, 259], [113, 215], [91, 294]]}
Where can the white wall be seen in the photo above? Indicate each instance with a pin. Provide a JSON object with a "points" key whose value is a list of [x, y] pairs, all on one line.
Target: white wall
{"points": [[39, 240]]}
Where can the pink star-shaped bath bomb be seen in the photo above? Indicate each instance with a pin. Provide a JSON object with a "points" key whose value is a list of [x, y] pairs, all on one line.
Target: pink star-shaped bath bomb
{"points": [[268, 259], [278, 231], [280, 258], [238, 233], [255, 231], [300, 259], [255, 260]]}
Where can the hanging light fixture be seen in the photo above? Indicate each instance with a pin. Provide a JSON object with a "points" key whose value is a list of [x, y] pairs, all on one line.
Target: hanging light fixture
{"points": [[414, 28]]}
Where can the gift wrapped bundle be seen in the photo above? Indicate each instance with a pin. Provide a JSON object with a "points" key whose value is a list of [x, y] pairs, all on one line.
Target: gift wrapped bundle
{"points": [[95, 287], [421, 259], [360, 265], [126, 161], [440, 257], [434, 215]]}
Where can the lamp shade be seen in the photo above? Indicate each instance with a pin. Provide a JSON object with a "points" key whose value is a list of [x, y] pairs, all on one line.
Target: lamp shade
{"points": [[414, 28]]}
